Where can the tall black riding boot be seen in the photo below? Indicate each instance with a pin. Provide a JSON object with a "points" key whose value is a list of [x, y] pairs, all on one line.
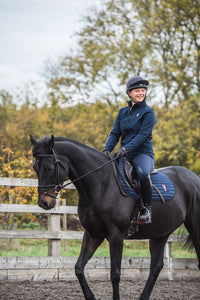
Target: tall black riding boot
{"points": [[146, 195]]}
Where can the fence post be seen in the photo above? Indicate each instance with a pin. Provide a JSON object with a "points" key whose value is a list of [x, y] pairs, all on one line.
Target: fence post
{"points": [[54, 225], [167, 251], [64, 225]]}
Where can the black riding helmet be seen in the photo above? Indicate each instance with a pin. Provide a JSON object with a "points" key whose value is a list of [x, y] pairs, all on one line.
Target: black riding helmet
{"points": [[136, 82]]}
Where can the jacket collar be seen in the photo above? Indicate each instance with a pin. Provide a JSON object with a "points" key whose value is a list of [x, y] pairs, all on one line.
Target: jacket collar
{"points": [[137, 105]]}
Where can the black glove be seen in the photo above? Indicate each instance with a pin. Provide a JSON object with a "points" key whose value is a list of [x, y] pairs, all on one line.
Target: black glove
{"points": [[121, 152], [106, 152]]}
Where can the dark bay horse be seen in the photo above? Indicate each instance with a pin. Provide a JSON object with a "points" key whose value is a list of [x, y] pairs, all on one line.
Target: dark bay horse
{"points": [[105, 213]]}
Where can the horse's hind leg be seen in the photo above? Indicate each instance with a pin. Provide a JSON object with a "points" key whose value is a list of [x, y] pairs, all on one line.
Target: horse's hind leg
{"points": [[157, 252], [195, 236], [89, 246]]}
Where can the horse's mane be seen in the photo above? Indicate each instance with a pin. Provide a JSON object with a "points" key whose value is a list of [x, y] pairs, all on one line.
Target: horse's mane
{"points": [[43, 144], [63, 139]]}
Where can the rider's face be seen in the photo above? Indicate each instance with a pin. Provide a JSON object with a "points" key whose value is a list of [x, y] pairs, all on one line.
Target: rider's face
{"points": [[137, 95]]}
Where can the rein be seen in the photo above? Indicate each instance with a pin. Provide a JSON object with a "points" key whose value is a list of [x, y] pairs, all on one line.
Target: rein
{"points": [[86, 174], [58, 186]]}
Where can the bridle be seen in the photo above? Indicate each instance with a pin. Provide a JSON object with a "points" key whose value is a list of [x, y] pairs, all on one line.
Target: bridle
{"points": [[57, 163], [58, 187]]}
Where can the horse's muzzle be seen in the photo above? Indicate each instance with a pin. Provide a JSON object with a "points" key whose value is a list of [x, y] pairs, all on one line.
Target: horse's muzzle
{"points": [[47, 200]]}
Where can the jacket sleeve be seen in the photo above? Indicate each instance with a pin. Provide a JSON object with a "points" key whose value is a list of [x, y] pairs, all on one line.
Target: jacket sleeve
{"points": [[114, 135], [145, 131]]}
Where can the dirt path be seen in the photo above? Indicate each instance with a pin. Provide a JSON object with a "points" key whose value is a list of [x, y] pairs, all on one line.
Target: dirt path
{"points": [[70, 290]]}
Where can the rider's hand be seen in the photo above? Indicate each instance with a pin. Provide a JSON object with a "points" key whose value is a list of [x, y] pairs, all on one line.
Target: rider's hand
{"points": [[121, 152], [106, 152]]}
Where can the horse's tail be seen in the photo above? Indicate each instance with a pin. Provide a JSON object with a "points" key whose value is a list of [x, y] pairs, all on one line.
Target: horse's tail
{"points": [[187, 239], [188, 243]]}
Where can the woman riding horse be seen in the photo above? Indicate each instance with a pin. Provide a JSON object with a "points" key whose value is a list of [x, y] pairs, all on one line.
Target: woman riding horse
{"points": [[134, 124]]}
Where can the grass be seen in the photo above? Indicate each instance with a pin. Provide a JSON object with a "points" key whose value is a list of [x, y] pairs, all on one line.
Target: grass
{"points": [[31, 247]]}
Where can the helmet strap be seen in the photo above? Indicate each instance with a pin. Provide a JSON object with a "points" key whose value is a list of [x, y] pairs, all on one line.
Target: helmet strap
{"points": [[131, 98]]}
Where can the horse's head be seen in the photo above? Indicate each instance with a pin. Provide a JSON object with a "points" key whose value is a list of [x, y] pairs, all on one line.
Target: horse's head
{"points": [[50, 169]]}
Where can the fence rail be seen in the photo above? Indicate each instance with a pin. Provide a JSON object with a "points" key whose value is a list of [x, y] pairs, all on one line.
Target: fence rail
{"points": [[54, 235]]}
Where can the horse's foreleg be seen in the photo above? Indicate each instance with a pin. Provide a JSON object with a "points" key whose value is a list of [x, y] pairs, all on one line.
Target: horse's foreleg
{"points": [[89, 245], [116, 247], [157, 253]]}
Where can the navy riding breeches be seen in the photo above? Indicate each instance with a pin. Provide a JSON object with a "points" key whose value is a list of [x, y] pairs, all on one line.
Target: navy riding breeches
{"points": [[143, 164]]}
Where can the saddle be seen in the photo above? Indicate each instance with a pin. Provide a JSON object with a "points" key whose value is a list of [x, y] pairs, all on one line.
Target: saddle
{"points": [[133, 180]]}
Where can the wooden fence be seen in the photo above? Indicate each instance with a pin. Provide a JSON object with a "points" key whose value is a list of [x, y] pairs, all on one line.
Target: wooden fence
{"points": [[55, 266]]}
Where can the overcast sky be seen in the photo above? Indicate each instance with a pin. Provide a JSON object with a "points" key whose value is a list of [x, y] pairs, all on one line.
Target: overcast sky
{"points": [[31, 31]]}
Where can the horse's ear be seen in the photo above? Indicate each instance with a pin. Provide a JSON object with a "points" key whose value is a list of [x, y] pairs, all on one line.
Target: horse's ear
{"points": [[33, 141], [51, 142]]}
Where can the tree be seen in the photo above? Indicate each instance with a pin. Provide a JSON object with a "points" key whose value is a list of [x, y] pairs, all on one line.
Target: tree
{"points": [[171, 28], [21, 167], [154, 38], [176, 136]]}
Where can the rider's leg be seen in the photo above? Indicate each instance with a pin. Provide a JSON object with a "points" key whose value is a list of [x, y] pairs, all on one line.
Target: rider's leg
{"points": [[146, 195], [143, 164]]}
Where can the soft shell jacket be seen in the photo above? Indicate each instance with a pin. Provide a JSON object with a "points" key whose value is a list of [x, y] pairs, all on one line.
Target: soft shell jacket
{"points": [[134, 126]]}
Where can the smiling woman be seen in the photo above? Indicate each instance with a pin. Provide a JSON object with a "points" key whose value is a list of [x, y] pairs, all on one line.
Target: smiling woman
{"points": [[137, 95], [134, 125]]}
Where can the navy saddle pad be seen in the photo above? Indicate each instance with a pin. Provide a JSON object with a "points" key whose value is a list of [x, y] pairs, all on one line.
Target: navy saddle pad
{"points": [[160, 180]]}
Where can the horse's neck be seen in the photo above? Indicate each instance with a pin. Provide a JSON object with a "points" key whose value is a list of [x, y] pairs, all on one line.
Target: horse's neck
{"points": [[82, 159], [83, 164]]}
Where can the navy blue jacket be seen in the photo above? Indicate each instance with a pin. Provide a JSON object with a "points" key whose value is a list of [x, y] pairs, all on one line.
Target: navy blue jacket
{"points": [[134, 126]]}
